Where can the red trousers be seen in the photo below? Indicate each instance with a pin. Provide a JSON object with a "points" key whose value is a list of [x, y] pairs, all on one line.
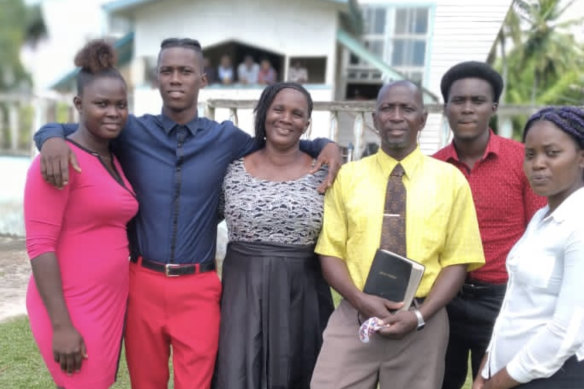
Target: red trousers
{"points": [[179, 312]]}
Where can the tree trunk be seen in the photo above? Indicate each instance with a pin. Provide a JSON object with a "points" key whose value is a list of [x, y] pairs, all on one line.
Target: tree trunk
{"points": [[534, 87]]}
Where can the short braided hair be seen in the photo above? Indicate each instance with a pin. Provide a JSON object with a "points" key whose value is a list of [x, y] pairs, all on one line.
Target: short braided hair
{"points": [[569, 119], [184, 43], [265, 101]]}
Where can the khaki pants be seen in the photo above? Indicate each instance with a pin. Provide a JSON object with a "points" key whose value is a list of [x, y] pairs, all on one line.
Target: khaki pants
{"points": [[414, 362]]}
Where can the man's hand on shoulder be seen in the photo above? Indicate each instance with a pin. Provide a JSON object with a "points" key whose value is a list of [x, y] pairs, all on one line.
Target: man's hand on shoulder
{"points": [[332, 157], [55, 158]]}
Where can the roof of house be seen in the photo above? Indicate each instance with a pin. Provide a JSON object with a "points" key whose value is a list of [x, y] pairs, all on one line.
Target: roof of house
{"points": [[127, 6]]}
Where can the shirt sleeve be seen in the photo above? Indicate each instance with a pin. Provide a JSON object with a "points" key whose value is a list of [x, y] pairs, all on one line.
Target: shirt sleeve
{"points": [[463, 240], [243, 143], [53, 130], [333, 235], [44, 208], [314, 147], [563, 336]]}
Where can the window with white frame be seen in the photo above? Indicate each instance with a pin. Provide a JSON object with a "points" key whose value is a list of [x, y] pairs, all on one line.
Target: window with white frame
{"points": [[396, 34]]}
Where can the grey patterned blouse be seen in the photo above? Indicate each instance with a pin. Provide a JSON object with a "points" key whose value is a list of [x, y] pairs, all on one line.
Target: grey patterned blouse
{"points": [[258, 210]]}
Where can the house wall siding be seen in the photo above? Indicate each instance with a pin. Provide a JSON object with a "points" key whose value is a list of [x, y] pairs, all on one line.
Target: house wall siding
{"points": [[463, 32]]}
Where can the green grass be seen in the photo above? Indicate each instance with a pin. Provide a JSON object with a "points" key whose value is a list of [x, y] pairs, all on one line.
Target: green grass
{"points": [[21, 366]]}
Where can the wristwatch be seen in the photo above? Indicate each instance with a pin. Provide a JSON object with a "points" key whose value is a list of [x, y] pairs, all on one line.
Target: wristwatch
{"points": [[421, 322]]}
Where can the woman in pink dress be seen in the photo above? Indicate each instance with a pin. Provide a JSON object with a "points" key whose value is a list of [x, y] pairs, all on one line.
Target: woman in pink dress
{"points": [[76, 237]]}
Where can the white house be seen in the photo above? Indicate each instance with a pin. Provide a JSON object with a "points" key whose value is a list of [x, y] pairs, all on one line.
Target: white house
{"points": [[421, 40], [417, 39], [283, 31]]}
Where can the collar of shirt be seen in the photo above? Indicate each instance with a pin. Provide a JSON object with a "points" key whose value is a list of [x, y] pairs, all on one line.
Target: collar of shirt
{"points": [[168, 124], [493, 147], [409, 163], [566, 209]]}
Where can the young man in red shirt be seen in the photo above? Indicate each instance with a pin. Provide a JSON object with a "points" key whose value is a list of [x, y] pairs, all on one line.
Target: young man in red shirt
{"points": [[504, 203]]}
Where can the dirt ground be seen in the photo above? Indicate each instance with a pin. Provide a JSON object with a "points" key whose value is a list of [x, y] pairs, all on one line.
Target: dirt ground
{"points": [[14, 275]]}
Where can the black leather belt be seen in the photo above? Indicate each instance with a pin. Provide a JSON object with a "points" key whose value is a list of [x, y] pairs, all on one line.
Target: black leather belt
{"points": [[480, 288], [174, 269]]}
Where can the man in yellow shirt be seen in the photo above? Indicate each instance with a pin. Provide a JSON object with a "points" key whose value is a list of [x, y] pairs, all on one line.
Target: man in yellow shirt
{"points": [[441, 232]]}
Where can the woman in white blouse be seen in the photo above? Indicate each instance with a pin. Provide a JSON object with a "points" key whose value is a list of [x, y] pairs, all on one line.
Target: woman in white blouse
{"points": [[538, 339]]}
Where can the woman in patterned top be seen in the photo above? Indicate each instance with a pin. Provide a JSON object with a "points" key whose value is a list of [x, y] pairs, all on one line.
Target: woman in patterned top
{"points": [[275, 301]]}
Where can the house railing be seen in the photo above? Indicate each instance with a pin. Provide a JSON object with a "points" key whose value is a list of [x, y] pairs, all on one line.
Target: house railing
{"points": [[358, 111], [355, 115], [22, 114]]}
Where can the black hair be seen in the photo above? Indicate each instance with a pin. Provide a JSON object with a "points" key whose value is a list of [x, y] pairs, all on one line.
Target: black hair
{"points": [[265, 101], [185, 43], [568, 119], [96, 59], [472, 69]]}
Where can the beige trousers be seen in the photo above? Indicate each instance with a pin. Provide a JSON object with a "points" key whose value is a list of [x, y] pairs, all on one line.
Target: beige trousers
{"points": [[414, 362]]}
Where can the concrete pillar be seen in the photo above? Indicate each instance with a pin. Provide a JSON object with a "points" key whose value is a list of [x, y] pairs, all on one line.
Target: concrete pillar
{"points": [[505, 126], [13, 125], [2, 127], [334, 126], [358, 135], [40, 118]]}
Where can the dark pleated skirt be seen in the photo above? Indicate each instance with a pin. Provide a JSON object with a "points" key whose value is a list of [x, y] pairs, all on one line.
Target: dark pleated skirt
{"points": [[274, 308]]}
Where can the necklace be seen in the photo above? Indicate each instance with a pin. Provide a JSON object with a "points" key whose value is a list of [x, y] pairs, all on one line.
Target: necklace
{"points": [[106, 157]]}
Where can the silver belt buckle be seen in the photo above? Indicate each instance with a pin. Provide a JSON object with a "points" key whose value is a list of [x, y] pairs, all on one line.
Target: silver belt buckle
{"points": [[169, 266]]}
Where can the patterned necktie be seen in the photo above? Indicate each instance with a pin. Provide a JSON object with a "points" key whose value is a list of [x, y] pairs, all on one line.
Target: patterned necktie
{"points": [[393, 230]]}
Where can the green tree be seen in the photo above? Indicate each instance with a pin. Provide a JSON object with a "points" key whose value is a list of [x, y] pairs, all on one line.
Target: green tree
{"points": [[538, 56], [549, 46], [544, 56], [510, 31], [19, 25]]}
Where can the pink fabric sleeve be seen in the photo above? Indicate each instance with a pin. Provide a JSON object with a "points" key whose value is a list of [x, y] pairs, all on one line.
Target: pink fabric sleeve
{"points": [[44, 208]]}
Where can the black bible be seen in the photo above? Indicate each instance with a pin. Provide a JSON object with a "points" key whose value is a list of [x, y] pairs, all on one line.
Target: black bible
{"points": [[394, 277]]}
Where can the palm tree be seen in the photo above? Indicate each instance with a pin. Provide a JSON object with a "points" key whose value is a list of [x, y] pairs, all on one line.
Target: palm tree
{"points": [[538, 57], [510, 30], [548, 45], [19, 25]]}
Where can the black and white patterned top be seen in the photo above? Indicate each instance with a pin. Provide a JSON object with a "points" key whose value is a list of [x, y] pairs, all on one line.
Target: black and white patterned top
{"points": [[258, 210]]}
